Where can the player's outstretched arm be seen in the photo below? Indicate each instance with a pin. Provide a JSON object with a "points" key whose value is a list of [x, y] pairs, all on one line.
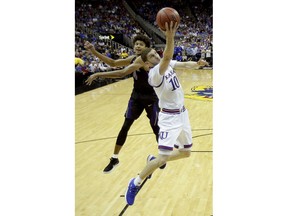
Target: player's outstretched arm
{"points": [[138, 63], [111, 74], [191, 64], [169, 47], [106, 59]]}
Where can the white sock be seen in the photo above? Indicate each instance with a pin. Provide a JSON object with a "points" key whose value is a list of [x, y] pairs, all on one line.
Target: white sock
{"points": [[115, 156], [137, 181]]}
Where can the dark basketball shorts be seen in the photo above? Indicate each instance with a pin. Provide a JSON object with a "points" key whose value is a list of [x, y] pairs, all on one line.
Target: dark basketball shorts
{"points": [[137, 105]]}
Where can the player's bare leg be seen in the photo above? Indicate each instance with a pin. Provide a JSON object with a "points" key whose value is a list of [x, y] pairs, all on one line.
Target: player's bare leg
{"points": [[162, 159]]}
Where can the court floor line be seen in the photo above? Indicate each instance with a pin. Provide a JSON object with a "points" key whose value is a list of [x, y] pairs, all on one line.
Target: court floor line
{"points": [[140, 134]]}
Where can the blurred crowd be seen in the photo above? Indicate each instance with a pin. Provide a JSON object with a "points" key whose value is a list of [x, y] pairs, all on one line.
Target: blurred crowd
{"points": [[94, 19]]}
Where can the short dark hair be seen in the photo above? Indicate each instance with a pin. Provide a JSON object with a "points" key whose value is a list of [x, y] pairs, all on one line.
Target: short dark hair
{"points": [[145, 53], [143, 38]]}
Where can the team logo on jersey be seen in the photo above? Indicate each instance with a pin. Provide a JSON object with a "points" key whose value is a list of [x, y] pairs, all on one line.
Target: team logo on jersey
{"points": [[201, 93], [163, 135]]}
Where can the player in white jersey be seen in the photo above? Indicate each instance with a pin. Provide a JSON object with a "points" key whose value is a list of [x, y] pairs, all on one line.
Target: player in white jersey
{"points": [[173, 119], [175, 129]]}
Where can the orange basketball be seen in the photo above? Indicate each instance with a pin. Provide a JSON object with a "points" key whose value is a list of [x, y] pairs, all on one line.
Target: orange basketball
{"points": [[167, 14]]}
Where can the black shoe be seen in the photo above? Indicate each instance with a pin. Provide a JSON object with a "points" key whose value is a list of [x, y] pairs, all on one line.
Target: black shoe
{"points": [[112, 164]]}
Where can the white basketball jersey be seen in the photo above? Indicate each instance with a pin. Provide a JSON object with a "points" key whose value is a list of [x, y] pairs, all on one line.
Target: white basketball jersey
{"points": [[167, 87]]}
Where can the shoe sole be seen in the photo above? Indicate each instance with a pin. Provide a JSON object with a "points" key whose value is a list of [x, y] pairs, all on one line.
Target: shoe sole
{"points": [[114, 166]]}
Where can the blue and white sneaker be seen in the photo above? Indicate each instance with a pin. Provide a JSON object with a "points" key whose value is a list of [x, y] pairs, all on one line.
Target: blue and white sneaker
{"points": [[131, 192], [152, 157]]}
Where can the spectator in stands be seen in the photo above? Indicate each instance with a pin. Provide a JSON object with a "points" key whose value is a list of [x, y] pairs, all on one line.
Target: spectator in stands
{"points": [[208, 56], [177, 49], [103, 66], [79, 79], [194, 50], [184, 58], [124, 54], [85, 68], [179, 57], [78, 68], [78, 61], [108, 53], [189, 52], [93, 67]]}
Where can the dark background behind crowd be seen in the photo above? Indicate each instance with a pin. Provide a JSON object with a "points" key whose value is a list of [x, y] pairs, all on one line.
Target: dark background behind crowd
{"points": [[110, 26]]}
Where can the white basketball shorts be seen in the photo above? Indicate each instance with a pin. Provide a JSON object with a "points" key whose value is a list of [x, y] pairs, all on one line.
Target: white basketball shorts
{"points": [[175, 130]]}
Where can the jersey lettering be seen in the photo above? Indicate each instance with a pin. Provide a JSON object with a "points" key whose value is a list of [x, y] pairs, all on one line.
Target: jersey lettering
{"points": [[174, 82]]}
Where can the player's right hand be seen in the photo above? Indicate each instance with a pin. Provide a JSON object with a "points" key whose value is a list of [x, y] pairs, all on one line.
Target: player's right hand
{"points": [[88, 45], [202, 62], [91, 79], [171, 28]]}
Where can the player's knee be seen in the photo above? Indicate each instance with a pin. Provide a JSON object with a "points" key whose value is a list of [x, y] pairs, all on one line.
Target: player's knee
{"points": [[161, 160]]}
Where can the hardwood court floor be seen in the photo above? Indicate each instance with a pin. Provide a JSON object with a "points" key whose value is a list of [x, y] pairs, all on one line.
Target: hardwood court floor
{"points": [[183, 188]]}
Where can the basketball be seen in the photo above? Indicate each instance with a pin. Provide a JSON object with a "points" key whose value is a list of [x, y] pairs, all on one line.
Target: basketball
{"points": [[167, 14]]}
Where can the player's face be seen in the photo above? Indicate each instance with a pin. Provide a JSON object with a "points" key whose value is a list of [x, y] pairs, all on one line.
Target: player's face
{"points": [[139, 46], [153, 57]]}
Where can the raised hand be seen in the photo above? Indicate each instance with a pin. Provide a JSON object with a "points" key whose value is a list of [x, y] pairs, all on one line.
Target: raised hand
{"points": [[88, 45], [170, 28]]}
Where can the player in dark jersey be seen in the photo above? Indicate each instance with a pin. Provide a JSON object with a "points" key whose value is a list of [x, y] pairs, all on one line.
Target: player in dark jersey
{"points": [[143, 96]]}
